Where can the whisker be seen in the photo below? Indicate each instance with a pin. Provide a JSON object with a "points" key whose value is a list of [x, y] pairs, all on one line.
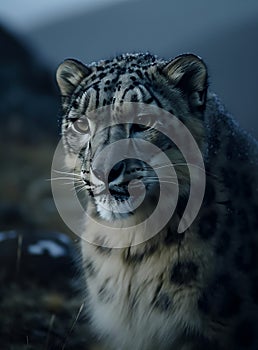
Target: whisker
{"points": [[69, 183], [82, 189], [76, 186], [81, 182], [161, 177], [73, 325], [63, 178], [180, 164], [163, 181], [169, 182], [186, 164], [66, 173]]}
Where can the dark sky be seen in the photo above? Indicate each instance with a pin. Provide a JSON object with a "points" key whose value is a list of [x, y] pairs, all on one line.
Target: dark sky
{"points": [[224, 33]]}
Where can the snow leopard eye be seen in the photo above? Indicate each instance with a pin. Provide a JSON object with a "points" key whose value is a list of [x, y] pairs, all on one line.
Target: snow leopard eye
{"points": [[81, 125]]}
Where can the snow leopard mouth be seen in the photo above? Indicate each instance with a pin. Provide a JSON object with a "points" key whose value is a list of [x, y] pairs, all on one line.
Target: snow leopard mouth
{"points": [[116, 201], [116, 192], [119, 192]]}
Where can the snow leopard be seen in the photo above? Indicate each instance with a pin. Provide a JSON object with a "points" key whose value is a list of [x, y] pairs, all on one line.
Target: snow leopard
{"points": [[190, 290]]}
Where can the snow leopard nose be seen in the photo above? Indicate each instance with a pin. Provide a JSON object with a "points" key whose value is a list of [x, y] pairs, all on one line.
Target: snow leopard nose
{"points": [[114, 173]]}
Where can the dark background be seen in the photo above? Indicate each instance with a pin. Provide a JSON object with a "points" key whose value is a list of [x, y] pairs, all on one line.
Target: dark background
{"points": [[224, 33]]}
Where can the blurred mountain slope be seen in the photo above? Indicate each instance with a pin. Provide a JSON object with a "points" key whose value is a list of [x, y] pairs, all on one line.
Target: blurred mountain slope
{"points": [[29, 100], [28, 136], [225, 34]]}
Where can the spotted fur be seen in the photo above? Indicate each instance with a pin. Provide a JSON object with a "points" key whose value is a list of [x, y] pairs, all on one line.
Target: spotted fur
{"points": [[189, 291]]}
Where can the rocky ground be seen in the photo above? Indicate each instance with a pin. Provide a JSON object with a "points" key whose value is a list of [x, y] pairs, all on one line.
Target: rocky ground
{"points": [[41, 306]]}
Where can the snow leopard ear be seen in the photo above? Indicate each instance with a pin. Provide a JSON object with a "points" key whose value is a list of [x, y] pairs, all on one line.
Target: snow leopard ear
{"points": [[69, 74], [188, 72]]}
